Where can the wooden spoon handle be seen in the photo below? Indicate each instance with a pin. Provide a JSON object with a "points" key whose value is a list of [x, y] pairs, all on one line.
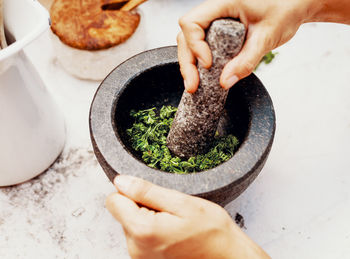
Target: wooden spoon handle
{"points": [[3, 43], [104, 2], [132, 4], [113, 4]]}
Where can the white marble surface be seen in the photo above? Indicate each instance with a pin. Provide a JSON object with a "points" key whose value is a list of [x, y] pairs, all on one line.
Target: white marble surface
{"points": [[298, 207]]}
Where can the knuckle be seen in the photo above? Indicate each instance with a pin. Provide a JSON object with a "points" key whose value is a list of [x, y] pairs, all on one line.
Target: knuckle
{"points": [[201, 206], [210, 208], [141, 189], [193, 46], [144, 233], [184, 21], [247, 68], [183, 201], [201, 209]]}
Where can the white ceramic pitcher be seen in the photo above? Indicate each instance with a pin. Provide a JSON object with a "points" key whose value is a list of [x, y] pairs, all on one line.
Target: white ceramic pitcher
{"points": [[32, 131]]}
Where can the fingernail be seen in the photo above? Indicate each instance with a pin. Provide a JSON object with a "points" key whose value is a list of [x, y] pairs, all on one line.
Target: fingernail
{"points": [[123, 183], [230, 81]]}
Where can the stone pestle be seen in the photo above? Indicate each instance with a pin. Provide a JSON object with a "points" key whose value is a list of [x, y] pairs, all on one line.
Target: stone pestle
{"points": [[198, 114]]}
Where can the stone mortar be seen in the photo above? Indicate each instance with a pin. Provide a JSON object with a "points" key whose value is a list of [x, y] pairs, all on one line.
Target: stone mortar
{"points": [[153, 78], [198, 114]]}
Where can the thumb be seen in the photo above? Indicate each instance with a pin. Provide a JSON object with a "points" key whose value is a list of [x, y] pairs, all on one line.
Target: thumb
{"points": [[246, 61]]}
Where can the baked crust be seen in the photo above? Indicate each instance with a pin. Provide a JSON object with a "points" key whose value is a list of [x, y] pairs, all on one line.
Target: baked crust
{"points": [[82, 24]]}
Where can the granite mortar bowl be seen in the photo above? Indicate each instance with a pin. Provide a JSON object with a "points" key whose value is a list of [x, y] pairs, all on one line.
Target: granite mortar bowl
{"points": [[152, 78]]}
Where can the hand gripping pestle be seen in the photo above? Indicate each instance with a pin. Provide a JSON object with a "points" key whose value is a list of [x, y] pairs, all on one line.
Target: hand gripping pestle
{"points": [[198, 114]]}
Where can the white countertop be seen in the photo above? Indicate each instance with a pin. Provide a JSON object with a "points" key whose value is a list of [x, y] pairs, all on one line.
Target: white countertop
{"points": [[298, 207]]}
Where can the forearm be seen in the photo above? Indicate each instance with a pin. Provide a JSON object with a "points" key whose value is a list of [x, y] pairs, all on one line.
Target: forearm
{"points": [[337, 11]]}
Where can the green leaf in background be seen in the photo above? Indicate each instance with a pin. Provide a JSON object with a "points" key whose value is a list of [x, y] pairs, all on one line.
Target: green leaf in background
{"points": [[267, 59]]}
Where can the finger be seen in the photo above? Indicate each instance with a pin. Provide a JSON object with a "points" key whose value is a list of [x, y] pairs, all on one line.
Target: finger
{"points": [[153, 196], [246, 61], [187, 64], [140, 222], [195, 39], [193, 26], [123, 209]]}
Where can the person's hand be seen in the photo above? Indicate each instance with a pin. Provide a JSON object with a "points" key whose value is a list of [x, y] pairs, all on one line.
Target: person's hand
{"points": [[269, 24], [163, 223]]}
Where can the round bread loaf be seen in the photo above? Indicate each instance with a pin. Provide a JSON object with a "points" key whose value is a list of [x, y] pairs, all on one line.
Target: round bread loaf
{"points": [[84, 24]]}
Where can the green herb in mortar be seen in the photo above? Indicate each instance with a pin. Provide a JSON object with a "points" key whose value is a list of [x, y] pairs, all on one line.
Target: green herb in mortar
{"points": [[148, 136]]}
